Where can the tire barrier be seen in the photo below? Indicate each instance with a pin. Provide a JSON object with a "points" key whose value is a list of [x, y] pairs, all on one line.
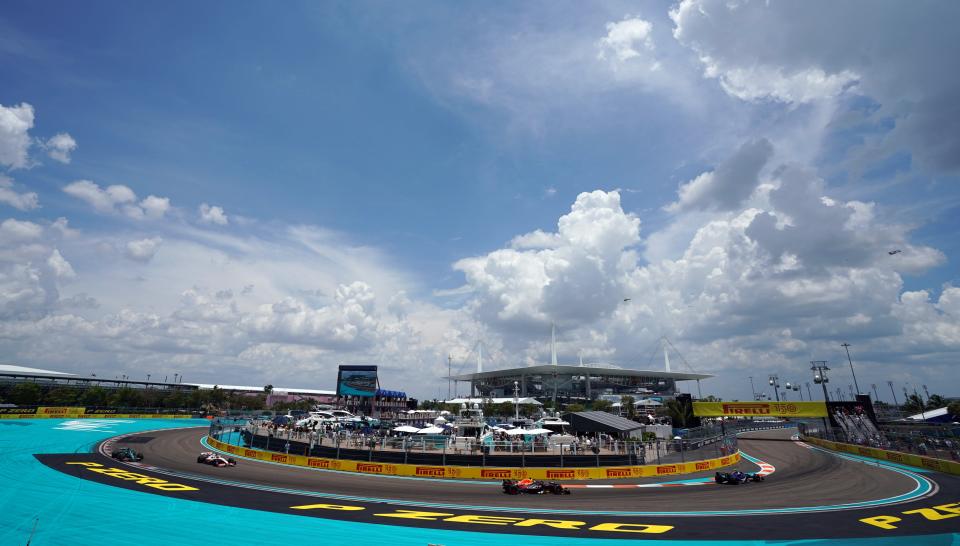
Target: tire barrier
{"points": [[909, 459], [477, 473]]}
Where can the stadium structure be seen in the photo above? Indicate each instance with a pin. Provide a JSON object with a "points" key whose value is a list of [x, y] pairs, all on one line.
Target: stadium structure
{"points": [[569, 382]]}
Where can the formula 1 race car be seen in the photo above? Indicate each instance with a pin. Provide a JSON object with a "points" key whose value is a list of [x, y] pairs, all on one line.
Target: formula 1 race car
{"points": [[532, 487], [215, 459], [127, 454], [736, 478]]}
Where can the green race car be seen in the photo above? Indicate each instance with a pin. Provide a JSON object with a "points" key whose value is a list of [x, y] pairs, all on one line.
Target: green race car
{"points": [[127, 454]]}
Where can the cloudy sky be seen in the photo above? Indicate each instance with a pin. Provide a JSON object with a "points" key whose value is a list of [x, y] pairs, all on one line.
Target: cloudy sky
{"points": [[248, 194]]}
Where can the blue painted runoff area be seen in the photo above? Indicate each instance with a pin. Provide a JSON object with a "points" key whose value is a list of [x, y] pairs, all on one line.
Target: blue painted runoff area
{"points": [[70, 511]]}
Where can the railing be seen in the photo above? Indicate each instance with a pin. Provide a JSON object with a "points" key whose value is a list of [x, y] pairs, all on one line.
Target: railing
{"points": [[935, 442], [442, 449]]}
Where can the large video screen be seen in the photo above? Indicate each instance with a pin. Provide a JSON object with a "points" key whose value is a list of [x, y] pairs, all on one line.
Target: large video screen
{"points": [[357, 381]]}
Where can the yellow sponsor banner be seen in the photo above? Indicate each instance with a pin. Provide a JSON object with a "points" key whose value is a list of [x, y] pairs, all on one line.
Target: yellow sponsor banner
{"points": [[55, 412], [919, 461], [475, 473], [65, 412], [760, 409]]}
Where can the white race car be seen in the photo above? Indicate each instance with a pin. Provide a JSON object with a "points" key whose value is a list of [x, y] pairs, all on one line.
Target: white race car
{"points": [[215, 459]]}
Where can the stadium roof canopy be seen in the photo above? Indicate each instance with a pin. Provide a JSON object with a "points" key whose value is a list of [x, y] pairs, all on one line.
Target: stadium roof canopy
{"points": [[597, 371], [600, 421], [521, 400], [276, 390], [10, 369]]}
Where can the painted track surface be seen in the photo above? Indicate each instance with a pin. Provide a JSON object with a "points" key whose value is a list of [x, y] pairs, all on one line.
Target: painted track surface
{"points": [[837, 481], [808, 497], [86, 512]]}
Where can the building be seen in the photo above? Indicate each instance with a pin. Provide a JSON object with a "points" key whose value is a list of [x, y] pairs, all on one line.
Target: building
{"points": [[549, 381], [11, 375], [386, 403]]}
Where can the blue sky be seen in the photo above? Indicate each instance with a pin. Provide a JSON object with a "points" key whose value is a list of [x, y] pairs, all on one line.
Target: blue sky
{"points": [[368, 182]]}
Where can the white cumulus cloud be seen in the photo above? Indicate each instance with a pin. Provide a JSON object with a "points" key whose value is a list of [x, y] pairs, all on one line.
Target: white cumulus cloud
{"points": [[213, 215], [800, 52], [60, 146], [118, 199], [142, 250], [730, 184], [60, 266], [626, 40], [20, 201], [15, 125]]}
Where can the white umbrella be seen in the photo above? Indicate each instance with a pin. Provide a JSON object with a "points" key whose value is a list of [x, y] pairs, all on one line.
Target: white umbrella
{"points": [[517, 431], [439, 421], [406, 428], [430, 430]]}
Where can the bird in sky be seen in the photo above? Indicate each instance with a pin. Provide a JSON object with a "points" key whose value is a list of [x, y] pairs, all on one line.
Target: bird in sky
{"points": [[627, 299], [892, 252]]}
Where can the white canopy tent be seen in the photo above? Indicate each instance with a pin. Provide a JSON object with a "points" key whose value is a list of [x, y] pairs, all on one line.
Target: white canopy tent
{"points": [[430, 430], [531, 431]]}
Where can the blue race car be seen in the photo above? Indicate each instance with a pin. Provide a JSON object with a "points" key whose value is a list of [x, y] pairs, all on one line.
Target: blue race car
{"points": [[736, 477]]}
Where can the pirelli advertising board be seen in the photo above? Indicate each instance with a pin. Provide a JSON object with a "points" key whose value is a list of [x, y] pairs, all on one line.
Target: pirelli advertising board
{"points": [[479, 473], [57, 412], [759, 409]]}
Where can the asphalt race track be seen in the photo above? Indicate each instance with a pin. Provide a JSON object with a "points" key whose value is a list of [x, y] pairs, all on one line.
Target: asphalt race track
{"points": [[813, 494]]}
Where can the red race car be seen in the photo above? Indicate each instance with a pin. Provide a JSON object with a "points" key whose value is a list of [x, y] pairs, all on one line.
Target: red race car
{"points": [[215, 459], [533, 487]]}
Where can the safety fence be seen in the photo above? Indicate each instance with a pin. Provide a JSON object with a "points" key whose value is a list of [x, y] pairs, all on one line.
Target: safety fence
{"points": [[477, 473], [58, 412], [443, 450], [447, 450], [919, 461]]}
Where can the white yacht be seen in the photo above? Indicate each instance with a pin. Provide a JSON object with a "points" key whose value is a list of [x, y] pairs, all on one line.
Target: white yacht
{"points": [[470, 422]]}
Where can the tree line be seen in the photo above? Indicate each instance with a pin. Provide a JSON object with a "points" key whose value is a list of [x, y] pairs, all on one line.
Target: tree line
{"points": [[32, 394]]}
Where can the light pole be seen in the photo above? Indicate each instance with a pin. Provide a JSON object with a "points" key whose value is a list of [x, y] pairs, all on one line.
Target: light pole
{"points": [[753, 391], [794, 387], [847, 347], [516, 401], [819, 368], [894, 394], [775, 383], [875, 395], [809, 396]]}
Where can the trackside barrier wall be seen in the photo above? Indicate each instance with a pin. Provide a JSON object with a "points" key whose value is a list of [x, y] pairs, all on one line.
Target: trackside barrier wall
{"points": [[53, 412], [479, 473], [950, 467]]}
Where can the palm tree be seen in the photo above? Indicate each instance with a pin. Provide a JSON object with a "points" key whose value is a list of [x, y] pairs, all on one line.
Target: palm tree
{"points": [[914, 404], [601, 405], [936, 402], [954, 409], [680, 413]]}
